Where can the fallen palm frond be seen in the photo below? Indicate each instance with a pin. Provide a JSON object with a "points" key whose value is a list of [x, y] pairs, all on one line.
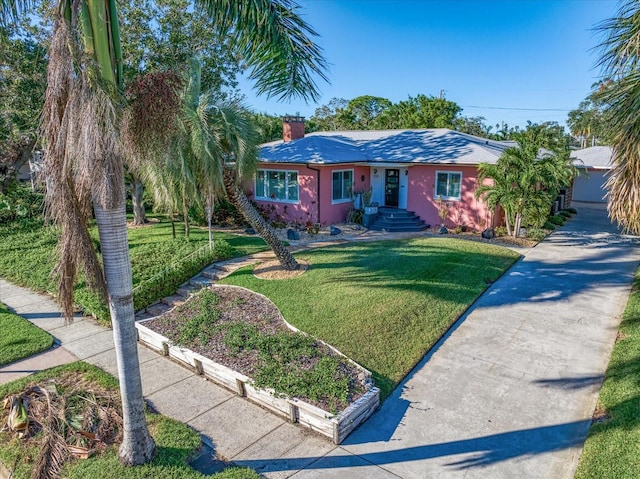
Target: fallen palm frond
{"points": [[68, 418]]}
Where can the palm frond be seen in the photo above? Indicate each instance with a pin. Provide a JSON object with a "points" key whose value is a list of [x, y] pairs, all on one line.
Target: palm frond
{"points": [[69, 184], [10, 10], [276, 42], [620, 60]]}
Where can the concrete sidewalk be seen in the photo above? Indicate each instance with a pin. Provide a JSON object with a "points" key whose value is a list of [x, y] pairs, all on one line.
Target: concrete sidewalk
{"points": [[509, 392]]}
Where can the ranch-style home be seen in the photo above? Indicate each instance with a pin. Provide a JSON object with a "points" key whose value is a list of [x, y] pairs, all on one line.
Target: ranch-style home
{"points": [[313, 177]]}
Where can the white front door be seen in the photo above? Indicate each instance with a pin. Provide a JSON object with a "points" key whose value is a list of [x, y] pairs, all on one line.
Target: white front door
{"points": [[404, 188]]}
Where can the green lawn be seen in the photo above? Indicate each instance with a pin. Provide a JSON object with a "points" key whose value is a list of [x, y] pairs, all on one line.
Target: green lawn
{"points": [[175, 441], [384, 304], [20, 338], [612, 449], [27, 256]]}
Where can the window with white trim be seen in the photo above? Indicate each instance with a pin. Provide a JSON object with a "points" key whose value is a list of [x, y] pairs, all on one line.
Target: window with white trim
{"points": [[342, 185], [448, 185], [277, 185]]}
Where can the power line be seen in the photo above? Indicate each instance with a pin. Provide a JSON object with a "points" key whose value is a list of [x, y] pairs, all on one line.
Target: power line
{"points": [[516, 109]]}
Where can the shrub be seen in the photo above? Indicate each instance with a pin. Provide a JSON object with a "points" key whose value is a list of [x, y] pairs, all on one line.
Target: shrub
{"points": [[549, 226], [536, 234], [573, 211], [556, 220], [565, 214], [158, 279], [20, 203], [501, 230]]}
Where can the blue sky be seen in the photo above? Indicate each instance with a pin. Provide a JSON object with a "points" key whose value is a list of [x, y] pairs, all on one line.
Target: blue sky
{"points": [[506, 60]]}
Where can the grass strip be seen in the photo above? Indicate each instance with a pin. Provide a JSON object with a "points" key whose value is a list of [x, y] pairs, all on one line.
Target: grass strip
{"points": [[612, 449], [20, 339]]}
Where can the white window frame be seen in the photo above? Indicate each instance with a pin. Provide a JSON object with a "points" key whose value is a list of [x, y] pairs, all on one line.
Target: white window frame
{"points": [[435, 185], [342, 200], [286, 188]]}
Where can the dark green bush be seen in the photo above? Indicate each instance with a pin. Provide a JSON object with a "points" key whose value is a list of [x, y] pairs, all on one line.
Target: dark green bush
{"points": [[167, 278], [20, 203], [565, 214], [573, 211], [536, 234], [549, 226], [556, 220]]}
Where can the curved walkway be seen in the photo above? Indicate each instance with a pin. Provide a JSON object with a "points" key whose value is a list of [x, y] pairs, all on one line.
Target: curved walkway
{"points": [[509, 392]]}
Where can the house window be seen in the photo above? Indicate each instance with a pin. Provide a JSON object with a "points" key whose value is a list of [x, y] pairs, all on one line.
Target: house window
{"points": [[342, 185], [276, 185], [448, 185]]}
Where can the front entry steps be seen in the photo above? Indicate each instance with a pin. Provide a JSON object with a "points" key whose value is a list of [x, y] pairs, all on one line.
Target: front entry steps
{"points": [[396, 220]]}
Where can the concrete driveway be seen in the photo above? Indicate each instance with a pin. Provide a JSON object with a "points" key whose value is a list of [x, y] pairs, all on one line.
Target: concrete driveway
{"points": [[510, 391]]}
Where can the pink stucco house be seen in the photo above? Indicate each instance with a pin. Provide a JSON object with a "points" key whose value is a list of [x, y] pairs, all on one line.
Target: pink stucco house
{"points": [[313, 177]]}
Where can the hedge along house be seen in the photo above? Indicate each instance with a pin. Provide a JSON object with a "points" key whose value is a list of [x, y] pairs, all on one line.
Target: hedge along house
{"points": [[314, 177]]}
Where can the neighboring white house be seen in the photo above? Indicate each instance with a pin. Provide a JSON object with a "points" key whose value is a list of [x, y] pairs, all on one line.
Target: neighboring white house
{"points": [[594, 164]]}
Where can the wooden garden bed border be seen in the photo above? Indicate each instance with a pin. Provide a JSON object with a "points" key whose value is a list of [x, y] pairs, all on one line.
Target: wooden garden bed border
{"points": [[335, 427]]}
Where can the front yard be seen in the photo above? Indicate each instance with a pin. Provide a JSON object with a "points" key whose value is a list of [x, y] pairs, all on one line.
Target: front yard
{"points": [[384, 304]]}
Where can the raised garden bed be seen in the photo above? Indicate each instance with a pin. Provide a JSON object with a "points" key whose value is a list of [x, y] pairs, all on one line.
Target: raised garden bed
{"points": [[334, 425]]}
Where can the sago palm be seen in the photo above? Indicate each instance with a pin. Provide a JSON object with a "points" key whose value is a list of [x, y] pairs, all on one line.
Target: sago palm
{"points": [[84, 155]]}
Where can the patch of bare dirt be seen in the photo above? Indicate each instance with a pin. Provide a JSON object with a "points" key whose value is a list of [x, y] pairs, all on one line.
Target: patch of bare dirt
{"points": [[150, 222], [274, 270], [600, 415], [620, 336]]}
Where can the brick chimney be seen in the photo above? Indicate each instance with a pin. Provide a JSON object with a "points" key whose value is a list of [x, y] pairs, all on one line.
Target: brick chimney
{"points": [[292, 128]]}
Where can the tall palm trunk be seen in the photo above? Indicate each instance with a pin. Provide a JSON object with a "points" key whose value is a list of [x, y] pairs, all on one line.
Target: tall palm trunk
{"points": [[257, 222], [137, 445]]}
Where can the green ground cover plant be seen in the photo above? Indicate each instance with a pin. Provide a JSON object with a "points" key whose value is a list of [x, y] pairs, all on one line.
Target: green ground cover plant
{"points": [[384, 304], [20, 338], [556, 220], [612, 449], [160, 263], [175, 441], [234, 328]]}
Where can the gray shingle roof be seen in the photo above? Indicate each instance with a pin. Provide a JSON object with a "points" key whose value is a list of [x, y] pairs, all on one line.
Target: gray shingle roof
{"points": [[435, 146], [597, 157]]}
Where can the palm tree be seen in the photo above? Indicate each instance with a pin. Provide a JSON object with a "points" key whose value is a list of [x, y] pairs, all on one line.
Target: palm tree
{"points": [[620, 56], [81, 121], [215, 153], [525, 179]]}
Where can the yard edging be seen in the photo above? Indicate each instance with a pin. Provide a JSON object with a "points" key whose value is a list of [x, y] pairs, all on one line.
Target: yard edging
{"points": [[335, 427]]}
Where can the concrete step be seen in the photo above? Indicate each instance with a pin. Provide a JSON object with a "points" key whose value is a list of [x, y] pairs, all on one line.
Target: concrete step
{"points": [[212, 273], [200, 281], [174, 300], [186, 289], [399, 229], [142, 315], [399, 221], [156, 309]]}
